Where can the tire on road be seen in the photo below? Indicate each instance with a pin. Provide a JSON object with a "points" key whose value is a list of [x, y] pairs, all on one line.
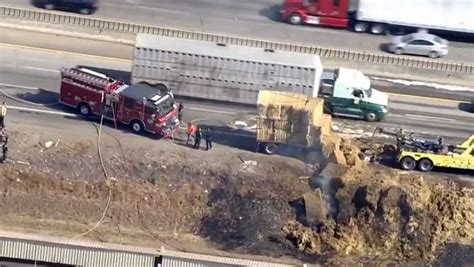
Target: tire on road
{"points": [[407, 163], [84, 109], [378, 29], [425, 165], [295, 19], [85, 11], [361, 26], [270, 148], [398, 51], [371, 116], [137, 126], [433, 54], [49, 6]]}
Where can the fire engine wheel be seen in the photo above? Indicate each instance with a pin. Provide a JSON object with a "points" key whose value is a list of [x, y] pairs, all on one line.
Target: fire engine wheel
{"points": [[295, 19], [425, 165], [84, 109], [407, 163], [270, 148], [137, 126]]}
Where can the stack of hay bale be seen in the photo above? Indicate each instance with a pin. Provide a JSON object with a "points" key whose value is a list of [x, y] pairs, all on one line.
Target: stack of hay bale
{"points": [[291, 118]]}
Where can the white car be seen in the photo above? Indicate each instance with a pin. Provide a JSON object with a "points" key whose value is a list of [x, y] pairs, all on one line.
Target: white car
{"points": [[420, 43]]}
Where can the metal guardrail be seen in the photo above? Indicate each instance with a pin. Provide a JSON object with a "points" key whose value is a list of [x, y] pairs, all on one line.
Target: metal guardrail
{"points": [[129, 27]]}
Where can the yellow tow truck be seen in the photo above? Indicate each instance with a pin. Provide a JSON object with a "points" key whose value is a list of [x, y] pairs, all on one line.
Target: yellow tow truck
{"points": [[459, 157]]}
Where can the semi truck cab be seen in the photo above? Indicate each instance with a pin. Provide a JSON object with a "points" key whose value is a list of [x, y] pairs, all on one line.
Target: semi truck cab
{"points": [[349, 93], [324, 12]]}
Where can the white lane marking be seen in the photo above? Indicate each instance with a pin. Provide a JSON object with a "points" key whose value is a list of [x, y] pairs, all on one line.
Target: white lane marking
{"points": [[430, 117], [138, 6], [40, 69], [213, 111]]}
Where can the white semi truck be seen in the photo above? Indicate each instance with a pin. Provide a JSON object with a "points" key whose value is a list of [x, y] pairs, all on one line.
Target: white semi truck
{"points": [[378, 16], [236, 74]]}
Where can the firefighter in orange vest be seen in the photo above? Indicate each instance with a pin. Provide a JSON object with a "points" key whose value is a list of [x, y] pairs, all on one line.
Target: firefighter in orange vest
{"points": [[191, 131]]}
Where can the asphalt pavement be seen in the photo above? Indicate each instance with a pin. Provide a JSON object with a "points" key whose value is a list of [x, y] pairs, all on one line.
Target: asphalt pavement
{"points": [[255, 19], [30, 78]]}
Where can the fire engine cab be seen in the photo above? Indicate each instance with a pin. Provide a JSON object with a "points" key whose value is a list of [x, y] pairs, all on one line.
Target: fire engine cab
{"points": [[143, 106]]}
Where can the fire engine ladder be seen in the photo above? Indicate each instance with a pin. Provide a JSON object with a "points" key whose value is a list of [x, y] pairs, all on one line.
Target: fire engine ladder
{"points": [[86, 78]]}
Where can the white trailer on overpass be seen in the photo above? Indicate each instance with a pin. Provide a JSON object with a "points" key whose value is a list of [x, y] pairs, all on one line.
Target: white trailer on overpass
{"points": [[221, 72], [446, 15]]}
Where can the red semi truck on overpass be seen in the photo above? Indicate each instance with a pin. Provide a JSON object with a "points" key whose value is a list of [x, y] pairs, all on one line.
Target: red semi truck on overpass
{"points": [[379, 16], [143, 106]]}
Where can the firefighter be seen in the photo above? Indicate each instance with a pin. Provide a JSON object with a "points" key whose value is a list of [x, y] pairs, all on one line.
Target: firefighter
{"points": [[197, 138], [208, 138], [3, 114], [4, 141], [180, 112], [190, 131]]}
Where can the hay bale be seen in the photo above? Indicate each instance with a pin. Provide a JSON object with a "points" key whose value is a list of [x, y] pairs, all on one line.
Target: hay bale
{"points": [[286, 112], [262, 111], [273, 112]]}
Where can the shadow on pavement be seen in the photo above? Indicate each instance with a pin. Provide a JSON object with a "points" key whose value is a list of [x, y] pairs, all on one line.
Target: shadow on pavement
{"points": [[384, 47], [230, 137], [246, 140], [466, 107], [272, 13]]}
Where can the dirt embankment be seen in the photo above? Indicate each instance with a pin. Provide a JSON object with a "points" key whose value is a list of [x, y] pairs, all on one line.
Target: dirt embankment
{"points": [[385, 214], [236, 200]]}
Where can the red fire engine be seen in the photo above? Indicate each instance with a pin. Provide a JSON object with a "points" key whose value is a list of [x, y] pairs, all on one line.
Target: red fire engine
{"points": [[142, 106]]}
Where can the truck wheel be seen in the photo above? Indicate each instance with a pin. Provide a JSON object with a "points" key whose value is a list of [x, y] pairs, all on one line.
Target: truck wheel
{"points": [[371, 116], [377, 28], [295, 19], [137, 126], [85, 11], [84, 109], [433, 54], [49, 7], [361, 26], [407, 163], [270, 148], [425, 165]]}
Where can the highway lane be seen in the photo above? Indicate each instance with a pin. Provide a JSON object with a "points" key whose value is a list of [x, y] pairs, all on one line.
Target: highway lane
{"points": [[24, 71], [103, 51], [255, 19]]}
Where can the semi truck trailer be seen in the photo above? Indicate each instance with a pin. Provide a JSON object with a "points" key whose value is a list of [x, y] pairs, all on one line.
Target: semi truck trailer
{"points": [[221, 72], [378, 17]]}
